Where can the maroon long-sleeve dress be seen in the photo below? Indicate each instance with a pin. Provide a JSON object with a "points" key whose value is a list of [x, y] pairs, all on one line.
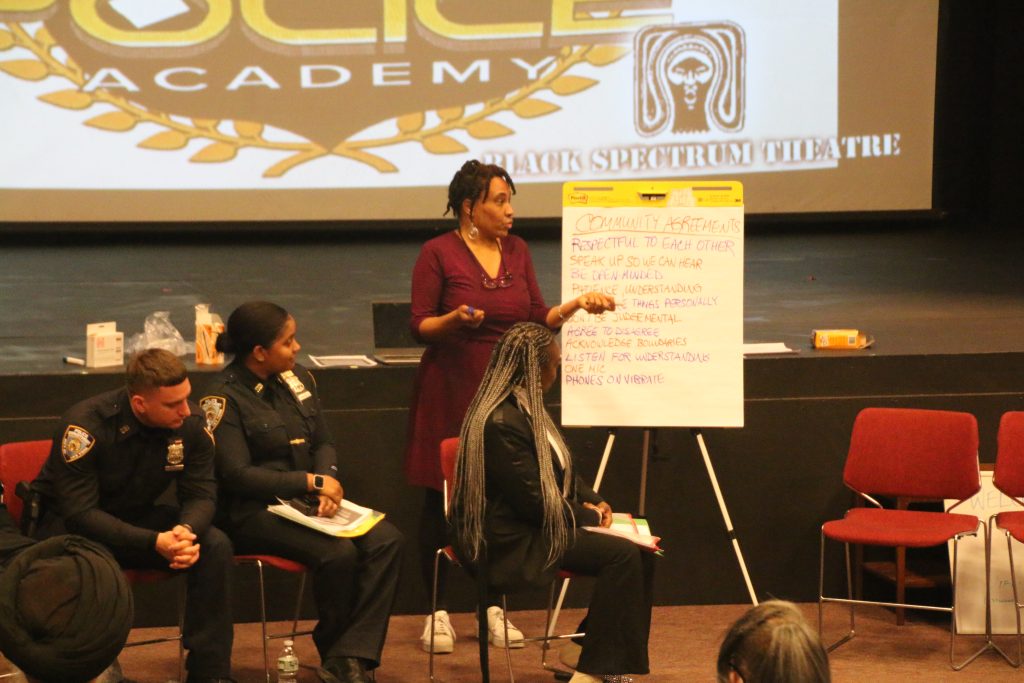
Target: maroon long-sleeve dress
{"points": [[447, 275]]}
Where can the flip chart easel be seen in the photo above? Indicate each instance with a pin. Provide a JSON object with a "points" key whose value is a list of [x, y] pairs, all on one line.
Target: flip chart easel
{"points": [[671, 354]]}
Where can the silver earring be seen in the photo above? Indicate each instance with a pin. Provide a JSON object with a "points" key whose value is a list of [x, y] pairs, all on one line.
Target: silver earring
{"points": [[473, 232]]}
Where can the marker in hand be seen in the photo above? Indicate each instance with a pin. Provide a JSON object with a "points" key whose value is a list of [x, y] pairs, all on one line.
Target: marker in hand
{"points": [[473, 316]]}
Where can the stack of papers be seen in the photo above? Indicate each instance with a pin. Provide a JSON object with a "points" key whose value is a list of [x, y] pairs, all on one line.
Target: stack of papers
{"points": [[350, 519], [635, 530], [758, 348], [346, 361]]}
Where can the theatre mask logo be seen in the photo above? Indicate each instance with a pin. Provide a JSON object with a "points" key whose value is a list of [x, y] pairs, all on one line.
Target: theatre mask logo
{"points": [[689, 77], [314, 78]]}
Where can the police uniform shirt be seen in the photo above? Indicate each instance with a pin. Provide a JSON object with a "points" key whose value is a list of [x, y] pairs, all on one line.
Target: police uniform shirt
{"points": [[270, 434], [106, 468]]}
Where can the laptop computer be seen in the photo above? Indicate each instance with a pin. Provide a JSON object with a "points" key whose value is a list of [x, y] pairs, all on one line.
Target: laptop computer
{"points": [[393, 343]]}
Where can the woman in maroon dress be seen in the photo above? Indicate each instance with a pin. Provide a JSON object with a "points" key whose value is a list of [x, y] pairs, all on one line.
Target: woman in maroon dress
{"points": [[469, 286]]}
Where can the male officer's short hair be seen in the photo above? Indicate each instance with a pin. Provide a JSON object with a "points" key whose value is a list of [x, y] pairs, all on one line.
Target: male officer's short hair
{"points": [[154, 368]]}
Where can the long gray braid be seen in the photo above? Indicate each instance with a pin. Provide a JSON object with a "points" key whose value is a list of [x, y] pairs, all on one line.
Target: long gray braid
{"points": [[515, 366]]}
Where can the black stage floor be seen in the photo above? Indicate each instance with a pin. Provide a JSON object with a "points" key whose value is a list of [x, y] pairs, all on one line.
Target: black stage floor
{"points": [[922, 291]]}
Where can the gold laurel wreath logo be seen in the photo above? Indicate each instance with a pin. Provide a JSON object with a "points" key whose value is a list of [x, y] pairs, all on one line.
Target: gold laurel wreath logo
{"points": [[223, 147]]}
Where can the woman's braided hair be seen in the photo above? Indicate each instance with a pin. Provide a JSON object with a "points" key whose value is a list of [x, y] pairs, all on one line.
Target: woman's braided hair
{"points": [[515, 367]]}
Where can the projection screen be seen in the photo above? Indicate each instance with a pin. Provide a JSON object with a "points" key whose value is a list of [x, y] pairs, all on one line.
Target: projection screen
{"points": [[223, 110]]}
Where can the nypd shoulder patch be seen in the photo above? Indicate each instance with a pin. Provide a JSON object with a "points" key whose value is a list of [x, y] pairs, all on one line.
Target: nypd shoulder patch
{"points": [[76, 442], [213, 407]]}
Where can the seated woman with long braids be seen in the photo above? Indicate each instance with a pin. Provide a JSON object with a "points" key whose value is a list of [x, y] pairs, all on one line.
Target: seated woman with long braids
{"points": [[518, 505]]}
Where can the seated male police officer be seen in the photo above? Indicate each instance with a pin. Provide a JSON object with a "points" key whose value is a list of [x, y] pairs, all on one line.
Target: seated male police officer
{"points": [[113, 457]]}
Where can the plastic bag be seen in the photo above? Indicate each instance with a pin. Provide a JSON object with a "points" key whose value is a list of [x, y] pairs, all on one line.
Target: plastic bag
{"points": [[158, 333]]}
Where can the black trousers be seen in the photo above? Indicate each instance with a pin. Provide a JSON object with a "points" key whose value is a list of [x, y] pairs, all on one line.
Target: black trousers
{"points": [[354, 579], [208, 631], [618, 621]]}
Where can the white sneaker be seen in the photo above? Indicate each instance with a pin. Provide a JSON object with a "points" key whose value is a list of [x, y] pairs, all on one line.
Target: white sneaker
{"points": [[444, 634], [496, 622]]}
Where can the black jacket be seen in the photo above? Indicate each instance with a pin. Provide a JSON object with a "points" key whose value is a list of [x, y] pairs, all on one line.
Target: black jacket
{"points": [[106, 468], [516, 547], [269, 435]]}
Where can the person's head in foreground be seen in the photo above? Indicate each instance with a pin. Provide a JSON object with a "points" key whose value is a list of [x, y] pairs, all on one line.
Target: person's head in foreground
{"points": [[772, 643], [65, 610]]}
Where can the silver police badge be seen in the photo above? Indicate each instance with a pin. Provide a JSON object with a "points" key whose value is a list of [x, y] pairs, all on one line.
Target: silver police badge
{"points": [[295, 386], [75, 443], [175, 456], [213, 407]]}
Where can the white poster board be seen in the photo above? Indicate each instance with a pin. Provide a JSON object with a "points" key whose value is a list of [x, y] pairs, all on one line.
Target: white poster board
{"points": [[671, 254], [970, 587]]}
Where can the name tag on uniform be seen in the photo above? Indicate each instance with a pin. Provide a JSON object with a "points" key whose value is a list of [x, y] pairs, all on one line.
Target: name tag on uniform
{"points": [[175, 456], [295, 386]]}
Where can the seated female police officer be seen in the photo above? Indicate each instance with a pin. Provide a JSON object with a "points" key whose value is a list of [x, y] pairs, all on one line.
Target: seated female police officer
{"points": [[272, 442]]}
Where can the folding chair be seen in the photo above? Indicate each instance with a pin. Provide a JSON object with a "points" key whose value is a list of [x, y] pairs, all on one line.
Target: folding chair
{"points": [[923, 454], [259, 561], [449, 453], [20, 462], [1009, 479]]}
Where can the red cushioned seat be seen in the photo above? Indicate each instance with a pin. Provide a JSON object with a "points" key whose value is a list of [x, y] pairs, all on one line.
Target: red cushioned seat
{"points": [[274, 561], [1009, 479], [20, 461], [1012, 522], [914, 454], [911, 528]]}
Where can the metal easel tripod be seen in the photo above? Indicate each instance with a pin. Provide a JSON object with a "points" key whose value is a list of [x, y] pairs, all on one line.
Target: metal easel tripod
{"points": [[643, 502]]}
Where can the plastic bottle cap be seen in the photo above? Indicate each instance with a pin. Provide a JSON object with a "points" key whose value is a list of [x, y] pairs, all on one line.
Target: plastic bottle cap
{"points": [[288, 643]]}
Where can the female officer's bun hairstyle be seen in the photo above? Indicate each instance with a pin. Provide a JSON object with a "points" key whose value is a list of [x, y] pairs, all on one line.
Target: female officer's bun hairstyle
{"points": [[472, 182], [254, 323], [224, 343]]}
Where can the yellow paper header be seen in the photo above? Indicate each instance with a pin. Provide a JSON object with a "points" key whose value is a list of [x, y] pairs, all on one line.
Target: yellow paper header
{"points": [[653, 193]]}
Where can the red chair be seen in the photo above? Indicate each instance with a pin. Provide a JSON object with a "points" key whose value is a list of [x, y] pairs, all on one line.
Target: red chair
{"points": [[21, 461], [449, 454], [1009, 478], [921, 454], [285, 565]]}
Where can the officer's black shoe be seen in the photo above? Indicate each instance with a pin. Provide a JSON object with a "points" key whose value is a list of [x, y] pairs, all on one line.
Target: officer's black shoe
{"points": [[344, 670]]}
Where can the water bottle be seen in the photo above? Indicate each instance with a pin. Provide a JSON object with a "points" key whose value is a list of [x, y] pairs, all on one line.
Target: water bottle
{"points": [[287, 664]]}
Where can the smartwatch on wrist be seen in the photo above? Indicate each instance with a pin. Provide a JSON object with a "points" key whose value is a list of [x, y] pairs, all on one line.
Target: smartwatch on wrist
{"points": [[318, 482]]}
